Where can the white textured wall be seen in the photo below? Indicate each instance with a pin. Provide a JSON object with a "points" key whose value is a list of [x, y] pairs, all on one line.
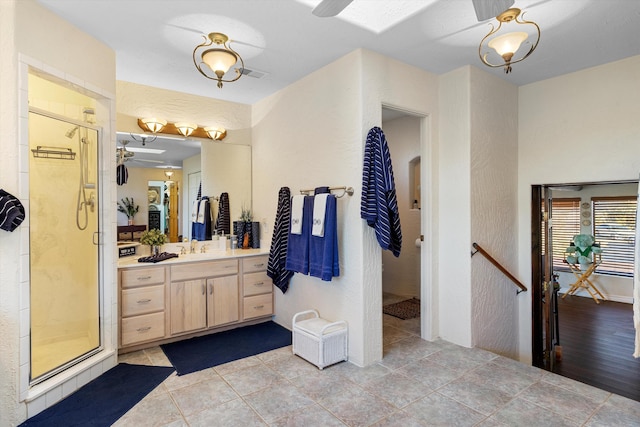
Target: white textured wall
{"points": [[455, 207], [580, 127], [71, 55], [311, 134], [494, 176], [401, 276]]}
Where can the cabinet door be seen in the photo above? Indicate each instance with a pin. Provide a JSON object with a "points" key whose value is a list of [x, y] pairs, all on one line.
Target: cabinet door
{"points": [[188, 306], [223, 300]]}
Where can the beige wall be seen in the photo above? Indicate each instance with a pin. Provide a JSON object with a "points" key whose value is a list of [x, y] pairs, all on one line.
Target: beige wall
{"points": [[312, 134], [580, 127]]}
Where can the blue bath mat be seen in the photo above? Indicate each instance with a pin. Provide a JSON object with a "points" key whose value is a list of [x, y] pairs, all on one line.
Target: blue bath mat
{"points": [[204, 352], [104, 400]]}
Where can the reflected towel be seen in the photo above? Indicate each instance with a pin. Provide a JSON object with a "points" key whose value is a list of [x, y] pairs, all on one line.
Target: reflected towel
{"points": [[194, 210], [297, 214], [298, 245], [319, 211], [201, 212], [323, 251], [223, 221]]}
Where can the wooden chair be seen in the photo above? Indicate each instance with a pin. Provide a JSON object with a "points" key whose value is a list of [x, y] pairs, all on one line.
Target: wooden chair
{"points": [[582, 275]]}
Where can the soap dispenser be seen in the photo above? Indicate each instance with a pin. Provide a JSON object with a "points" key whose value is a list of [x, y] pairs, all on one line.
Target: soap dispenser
{"points": [[223, 242]]}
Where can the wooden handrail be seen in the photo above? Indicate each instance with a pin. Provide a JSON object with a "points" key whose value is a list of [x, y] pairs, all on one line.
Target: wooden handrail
{"points": [[499, 266]]}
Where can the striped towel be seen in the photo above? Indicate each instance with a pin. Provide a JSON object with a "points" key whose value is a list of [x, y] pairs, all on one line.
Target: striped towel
{"points": [[11, 211], [278, 252], [379, 205], [223, 221]]}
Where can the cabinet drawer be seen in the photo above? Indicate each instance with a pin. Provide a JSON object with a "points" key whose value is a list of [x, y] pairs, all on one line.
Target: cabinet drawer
{"points": [[258, 305], [142, 276], [256, 263], [256, 283], [142, 300], [198, 270], [142, 328]]}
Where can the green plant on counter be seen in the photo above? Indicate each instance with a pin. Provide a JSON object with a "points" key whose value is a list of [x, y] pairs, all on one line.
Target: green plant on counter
{"points": [[245, 215], [128, 207], [153, 237]]}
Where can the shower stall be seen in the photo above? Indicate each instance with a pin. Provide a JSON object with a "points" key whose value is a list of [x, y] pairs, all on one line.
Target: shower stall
{"points": [[64, 253]]}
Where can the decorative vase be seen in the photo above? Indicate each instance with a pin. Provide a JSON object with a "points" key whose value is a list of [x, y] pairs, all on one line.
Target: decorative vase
{"points": [[130, 220], [155, 250]]}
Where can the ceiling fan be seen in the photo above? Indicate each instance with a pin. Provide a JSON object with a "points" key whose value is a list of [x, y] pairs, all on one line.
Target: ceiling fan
{"points": [[328, 8], [124, 155], [487, 9]]}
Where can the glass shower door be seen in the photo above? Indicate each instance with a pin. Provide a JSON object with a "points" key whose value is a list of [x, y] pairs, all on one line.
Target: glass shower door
{"points": [[63, 222]]}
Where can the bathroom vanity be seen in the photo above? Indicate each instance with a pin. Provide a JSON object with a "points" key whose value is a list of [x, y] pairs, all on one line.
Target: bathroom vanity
{"points": [[192, 295]]}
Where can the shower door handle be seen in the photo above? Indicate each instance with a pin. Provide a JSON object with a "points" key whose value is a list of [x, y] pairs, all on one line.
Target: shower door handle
{"points": [[96, 238]]}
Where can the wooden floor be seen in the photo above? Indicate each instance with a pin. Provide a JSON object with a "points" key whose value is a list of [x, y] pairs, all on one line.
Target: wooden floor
{"points": [[597, 345]]}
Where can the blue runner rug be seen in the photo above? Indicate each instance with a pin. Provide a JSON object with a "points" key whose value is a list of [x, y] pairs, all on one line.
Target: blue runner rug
{"points": [[199, 353], [104, 400]]}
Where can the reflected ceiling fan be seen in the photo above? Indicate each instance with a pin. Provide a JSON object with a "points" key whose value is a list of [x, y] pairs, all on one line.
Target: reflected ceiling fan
{"points": [[124, 155]]}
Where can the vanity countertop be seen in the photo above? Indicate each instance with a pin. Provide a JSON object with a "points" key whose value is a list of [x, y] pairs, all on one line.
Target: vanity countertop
{"points": [[132, 261]]}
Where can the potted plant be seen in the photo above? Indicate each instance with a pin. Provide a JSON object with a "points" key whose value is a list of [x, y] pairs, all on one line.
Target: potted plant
{"points": [[154, 238], [129, 208]]}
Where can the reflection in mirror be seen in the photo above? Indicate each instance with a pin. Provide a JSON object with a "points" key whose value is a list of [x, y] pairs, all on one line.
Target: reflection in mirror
{"points": [[211, 167]]}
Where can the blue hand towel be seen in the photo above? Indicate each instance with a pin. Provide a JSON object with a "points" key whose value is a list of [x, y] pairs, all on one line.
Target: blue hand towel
{"points": [[298, 245], [323, 251]]}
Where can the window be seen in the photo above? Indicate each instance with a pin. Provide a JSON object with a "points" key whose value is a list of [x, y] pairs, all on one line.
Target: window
{"points": [[614, 221], [566, 224]]}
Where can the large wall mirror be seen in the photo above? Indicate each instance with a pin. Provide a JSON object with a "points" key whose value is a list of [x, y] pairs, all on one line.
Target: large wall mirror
{"points": [[179, 169]]}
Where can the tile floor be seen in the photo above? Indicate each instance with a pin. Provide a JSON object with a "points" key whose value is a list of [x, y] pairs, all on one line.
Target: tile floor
{"points": [[418, 383]]}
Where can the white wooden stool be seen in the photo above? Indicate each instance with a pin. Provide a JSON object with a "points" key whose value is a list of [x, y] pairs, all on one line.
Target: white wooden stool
{"points": [[319, 341]]}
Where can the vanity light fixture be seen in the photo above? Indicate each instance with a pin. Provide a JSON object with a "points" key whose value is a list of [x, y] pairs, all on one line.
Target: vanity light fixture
{"points": [[185, 128], [508, 43], [218, 59], [217, 134], [154, 124]]}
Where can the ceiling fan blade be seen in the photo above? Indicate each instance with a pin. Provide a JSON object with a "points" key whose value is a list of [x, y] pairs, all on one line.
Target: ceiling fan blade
{"points": [[487, 9], [328, 8]]}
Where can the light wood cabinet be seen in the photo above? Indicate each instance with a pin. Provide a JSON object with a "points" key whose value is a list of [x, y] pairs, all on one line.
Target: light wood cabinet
{"points": [[257, 288], [164, 303], [211, 300], [188, 306], [222, 300], [142, 305]]}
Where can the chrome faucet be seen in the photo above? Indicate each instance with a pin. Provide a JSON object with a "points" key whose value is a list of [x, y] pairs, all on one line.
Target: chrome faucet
{"points": [[194, 242], [183, 250], [203, 248]]}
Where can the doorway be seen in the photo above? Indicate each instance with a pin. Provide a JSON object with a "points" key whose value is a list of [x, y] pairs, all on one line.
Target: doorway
{"points": [[590, 338], [401, 276]]}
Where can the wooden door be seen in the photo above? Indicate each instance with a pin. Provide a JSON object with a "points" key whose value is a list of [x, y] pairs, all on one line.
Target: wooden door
{"points": [[222, 300], [188, 306]]}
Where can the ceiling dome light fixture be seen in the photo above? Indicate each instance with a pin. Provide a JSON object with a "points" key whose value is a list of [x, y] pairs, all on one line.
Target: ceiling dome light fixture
{"points": [[217, 59], [185, 128], [508, 43], [217, 134], [154, 124]]}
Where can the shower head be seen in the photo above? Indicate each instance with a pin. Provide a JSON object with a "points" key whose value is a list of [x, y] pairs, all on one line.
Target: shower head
{"points": [[71, 132], [88, 110]]}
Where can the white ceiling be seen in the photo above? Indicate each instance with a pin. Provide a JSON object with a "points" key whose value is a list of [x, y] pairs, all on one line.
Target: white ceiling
{"points": [[154, 39]]}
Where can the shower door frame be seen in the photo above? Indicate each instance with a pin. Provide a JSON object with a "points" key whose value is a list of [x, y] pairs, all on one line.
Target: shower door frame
{"points": [[97, 240]]}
